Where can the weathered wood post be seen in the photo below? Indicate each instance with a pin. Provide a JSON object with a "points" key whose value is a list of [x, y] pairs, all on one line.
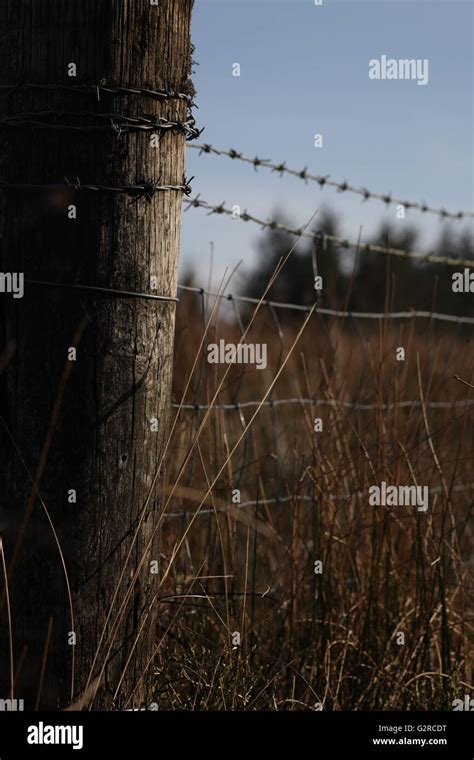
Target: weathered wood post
{"points": [[85, 396]]}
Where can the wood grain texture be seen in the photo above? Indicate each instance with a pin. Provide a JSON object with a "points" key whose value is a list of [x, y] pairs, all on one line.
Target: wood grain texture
{"points": [[103, 449]]}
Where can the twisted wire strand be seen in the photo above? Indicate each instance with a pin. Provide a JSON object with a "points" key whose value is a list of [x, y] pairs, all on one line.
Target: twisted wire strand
{"points": [[334, 312], [146, 189], [323, 237], [97, 89], [342, 187], [460, 488], [272, 304], [352, 405], [117, 123]]}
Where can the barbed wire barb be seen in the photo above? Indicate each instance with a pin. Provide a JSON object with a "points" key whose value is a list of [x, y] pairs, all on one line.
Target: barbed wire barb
{"points": [[118, 123], [365, 194], [145, 189], [387, 315], [317, 235]]}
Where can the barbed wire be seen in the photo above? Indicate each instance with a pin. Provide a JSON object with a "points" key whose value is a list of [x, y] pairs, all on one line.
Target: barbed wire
{"points": [[305, 175], [146, 189], [111, 292], [117, 123], [97, 89], [324, 237], [334, 312], [353, 405], [461, 487]]}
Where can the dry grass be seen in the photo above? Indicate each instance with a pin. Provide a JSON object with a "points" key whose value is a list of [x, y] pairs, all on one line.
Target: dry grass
{"points": [[325, 639], [245, 622]]}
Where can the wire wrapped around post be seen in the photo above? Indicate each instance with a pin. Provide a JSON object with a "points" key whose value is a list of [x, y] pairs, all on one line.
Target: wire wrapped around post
{"points": [[107, 292], [117, 124], [146, 189], [97, 89]]}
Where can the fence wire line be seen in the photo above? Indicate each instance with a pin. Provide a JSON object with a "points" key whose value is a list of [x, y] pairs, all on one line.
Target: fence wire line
{"points": [[115, 122], [97, 89], [111, 292], [145, 189], [356, 406], [324, 237], [325, 180], [334, 312], [230, 297], [285, 499]]}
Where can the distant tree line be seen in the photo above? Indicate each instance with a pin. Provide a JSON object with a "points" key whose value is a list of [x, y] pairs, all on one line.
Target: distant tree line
{"points": [[361, 280]]}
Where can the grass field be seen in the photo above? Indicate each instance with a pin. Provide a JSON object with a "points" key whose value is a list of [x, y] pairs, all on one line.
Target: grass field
{"points": [[248, 618]]}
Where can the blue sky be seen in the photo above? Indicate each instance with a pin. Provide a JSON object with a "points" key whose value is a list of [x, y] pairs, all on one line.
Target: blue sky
{"points": [[304, 70]]}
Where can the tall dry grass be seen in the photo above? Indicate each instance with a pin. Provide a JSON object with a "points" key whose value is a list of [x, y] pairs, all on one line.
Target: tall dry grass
{"points": [[245, 622], [330, 639]]}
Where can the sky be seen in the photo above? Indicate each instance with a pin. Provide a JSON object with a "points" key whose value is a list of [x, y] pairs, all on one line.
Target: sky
{"points": [[304, 71]]}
